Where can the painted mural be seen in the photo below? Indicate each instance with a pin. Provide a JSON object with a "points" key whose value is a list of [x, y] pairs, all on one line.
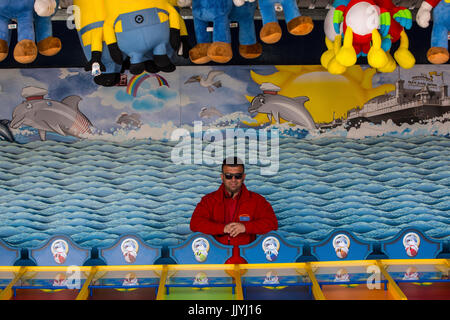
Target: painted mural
{"points": [[363, 151]]}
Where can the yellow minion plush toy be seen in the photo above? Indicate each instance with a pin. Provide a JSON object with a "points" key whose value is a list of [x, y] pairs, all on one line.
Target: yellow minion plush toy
{"points": [[139, 29], [89, 19]]}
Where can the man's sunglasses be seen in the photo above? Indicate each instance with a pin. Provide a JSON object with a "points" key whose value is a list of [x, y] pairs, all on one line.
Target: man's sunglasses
{"points": [[230, 176]]}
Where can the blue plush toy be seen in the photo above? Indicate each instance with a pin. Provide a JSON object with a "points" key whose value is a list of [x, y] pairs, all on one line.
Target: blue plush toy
{"points": [[249, 48], [438, 53], [217, 12], [47, 44], [296, 24], [22, 11]]}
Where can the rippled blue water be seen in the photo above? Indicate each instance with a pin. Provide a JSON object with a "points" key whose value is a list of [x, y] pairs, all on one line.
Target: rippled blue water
{"points": [[95, 191]]}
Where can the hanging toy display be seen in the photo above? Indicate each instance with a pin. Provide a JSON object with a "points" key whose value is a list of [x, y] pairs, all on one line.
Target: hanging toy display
{"points": [[296, 23], [438, 53], [22, 11], [142, 30]]}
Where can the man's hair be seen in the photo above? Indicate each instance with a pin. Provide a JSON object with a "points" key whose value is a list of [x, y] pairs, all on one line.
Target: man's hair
{"points": [[233, 162]]}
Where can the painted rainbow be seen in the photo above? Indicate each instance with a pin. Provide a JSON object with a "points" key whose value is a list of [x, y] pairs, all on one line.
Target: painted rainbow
{"points": [[137, 80]]}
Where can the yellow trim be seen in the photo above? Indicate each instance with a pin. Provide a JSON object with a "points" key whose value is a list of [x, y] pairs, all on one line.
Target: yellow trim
{"points": [[54, 268], [237, 277], [9, 269], [392, 286], [162, 284], [342, 263], [7, 293], [412, 261], [272, 266], [317, 292], [130, 268], [188, 267], [84, 292]]}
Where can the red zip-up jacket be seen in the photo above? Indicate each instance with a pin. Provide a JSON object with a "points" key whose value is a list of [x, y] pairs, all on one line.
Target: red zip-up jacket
{"points": [[253, 211]]}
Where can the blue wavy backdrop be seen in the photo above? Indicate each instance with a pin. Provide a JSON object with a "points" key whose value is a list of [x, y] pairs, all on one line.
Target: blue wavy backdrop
{"points": [[95, 191]]}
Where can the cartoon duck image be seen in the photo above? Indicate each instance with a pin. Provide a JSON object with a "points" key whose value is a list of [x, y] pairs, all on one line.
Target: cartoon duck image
{"points": [[411, 242], [341, 245], [208, 81]]}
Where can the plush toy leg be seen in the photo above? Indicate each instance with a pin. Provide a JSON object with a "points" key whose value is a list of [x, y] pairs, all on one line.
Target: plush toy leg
{"points": [[163, 63], [250, 51], [25, 51], [270, 33], [220, 52], [107, 79], [329, 54], [376, 57], [438, 53], [300, 26], [49, 46], [390, 66], [334, 67], [3, 49], [199, 53], [347, 55], [403, 56]]}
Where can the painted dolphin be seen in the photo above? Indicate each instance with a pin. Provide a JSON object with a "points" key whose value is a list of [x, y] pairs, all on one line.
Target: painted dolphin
{"points": [[209, 113], [5, 133], [49, 115], [132, 120], [277, 106]]}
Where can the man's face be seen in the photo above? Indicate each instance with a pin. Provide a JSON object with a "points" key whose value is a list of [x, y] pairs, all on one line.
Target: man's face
{"points": [[232, 185]]}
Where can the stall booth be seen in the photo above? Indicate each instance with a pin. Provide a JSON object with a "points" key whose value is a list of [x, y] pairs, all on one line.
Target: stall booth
{"points": [[129, 273], [58, 274]]}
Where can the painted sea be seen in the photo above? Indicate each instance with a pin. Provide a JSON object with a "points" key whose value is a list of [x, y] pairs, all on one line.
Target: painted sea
{"points": [[97, 190]]}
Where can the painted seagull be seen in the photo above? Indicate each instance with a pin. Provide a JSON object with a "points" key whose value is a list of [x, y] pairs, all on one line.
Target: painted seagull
{"points": [[207, 82]]}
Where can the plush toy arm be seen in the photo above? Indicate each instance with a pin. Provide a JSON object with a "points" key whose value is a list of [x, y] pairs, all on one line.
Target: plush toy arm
{"points": [[424, 15], [404, 17], [45, 8], [338, 18], [239, 3], [96, 57], [385, 23]]}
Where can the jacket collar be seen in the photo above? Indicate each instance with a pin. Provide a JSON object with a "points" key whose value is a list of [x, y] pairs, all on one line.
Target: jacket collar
{"points": [[220, 193]]}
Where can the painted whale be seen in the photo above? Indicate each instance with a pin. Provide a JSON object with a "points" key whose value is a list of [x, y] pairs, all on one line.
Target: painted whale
{"points": [[5, 133], [289, 109], [45, 115]]}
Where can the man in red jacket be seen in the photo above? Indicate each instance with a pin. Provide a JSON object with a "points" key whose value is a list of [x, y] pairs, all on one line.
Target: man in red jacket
{"points": [[233, 214]]}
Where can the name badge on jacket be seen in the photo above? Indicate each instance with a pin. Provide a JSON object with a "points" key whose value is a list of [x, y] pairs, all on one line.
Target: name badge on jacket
{"points": [[244, 217]]}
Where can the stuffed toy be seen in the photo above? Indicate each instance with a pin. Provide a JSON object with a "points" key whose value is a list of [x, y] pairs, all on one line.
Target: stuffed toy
{"points": [[217, 12], [401, 19], [139, 29], [249, 48], [360, 21], [185, 44], [296, 24], [25, 50], [438, 53], [47, 44], [89, 18]]}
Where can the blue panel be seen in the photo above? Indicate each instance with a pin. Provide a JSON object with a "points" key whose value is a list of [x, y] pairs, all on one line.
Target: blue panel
{"points": [[208, 252], [411, 244], [341, 246], [61, 249], [270, 248], [130, 250], [8, 255]]}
